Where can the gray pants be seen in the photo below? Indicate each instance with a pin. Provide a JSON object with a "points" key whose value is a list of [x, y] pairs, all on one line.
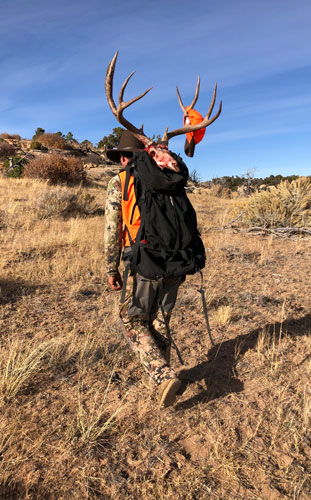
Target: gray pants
{"points": [[149, 293]]}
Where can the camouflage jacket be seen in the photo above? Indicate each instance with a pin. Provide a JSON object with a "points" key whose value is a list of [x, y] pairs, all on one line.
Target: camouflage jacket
{"points": [[114, 225]]}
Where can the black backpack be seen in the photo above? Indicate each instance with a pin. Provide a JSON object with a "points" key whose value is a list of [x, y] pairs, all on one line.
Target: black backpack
{"points": [[168, 242]]}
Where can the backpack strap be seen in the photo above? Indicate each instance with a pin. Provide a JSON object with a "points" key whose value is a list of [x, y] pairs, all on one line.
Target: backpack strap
{"points": [[136, 247], [129, 235], [128, 170], [132, 214]]}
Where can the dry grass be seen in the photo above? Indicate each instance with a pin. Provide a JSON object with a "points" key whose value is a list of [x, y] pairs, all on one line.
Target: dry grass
{"points": [[223, 316], [19, 367], [92, 419], [76, 422]]}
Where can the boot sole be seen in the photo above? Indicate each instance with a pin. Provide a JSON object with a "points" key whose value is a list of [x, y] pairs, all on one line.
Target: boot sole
{"points": [[168, 395]]}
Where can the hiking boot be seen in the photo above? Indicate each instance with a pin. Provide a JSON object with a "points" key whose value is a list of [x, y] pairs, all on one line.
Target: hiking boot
{"points": [[148, 382], [167, 392]]}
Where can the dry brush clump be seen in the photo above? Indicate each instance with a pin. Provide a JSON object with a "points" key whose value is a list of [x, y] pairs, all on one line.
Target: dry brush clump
{"points": [[38, 146], [64, 202], [5, 135], [219, 191], [50, 140], [285, 205], [56, 169], [6, 150]]}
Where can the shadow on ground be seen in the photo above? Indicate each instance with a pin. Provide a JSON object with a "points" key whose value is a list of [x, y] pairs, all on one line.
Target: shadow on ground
{"points": [[18, 491], [218, 372], [12, 290], [12, 492]]}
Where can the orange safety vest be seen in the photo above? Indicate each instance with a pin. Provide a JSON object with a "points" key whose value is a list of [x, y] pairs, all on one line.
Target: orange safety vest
{"points": [[130, 210]]}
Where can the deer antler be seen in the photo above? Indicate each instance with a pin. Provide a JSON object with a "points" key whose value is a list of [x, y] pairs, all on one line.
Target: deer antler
{"points": [[138, 133], [118, 111], [196, 95], [203, 124]]}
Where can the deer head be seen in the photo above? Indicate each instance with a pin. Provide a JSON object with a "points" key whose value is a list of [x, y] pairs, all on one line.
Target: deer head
{"points": [[152, 148]]}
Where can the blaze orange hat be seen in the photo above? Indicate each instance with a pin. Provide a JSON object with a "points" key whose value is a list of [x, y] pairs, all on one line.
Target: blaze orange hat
{"points": [[193, 138]]}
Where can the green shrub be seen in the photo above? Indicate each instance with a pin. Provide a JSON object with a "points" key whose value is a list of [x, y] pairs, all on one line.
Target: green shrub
{"points": [[62, 202], [37, 145], [112, 140], [14, 168], [285, 205], [56, 169], [37, 133]]}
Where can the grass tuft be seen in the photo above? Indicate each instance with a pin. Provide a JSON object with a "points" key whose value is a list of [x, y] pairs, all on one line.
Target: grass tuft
{"points": [[93, 417], [19, 366]]}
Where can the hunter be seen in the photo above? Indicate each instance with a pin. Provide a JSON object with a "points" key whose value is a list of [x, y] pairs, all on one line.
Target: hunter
{"points": [[139, 311], [150, 218]]}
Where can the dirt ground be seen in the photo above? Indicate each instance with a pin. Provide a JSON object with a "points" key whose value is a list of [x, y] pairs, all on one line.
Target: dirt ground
{"points": [[77, 423]]}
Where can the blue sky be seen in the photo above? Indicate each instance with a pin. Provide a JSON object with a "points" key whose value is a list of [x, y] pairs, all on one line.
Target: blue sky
{"points": [[54, 55]]}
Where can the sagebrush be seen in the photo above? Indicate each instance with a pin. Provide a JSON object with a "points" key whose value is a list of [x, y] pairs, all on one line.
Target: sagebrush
{"points": [[285, 205], [56, 169], [63, 202]]}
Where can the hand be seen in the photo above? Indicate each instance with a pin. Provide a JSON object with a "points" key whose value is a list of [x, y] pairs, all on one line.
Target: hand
{"points": [[115, 281]]}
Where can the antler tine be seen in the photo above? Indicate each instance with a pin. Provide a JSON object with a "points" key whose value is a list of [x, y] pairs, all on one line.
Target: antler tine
{"points": [[180, 102], [122, 105], [203, 124], [109, 82], [196, 95], [210, 109], [125, 105]]}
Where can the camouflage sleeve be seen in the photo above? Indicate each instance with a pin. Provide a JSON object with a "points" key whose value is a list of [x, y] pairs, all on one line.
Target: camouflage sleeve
{"points": [[113, 229]]}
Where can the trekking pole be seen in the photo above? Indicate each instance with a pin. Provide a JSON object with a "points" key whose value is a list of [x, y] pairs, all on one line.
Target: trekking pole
{"points": [[170, 336], [202, 292]]}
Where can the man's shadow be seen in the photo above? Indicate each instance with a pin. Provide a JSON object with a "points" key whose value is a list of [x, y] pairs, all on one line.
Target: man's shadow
{"points": [[218, 372]]}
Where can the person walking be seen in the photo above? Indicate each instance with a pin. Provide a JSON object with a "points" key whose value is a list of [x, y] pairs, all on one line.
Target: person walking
{"points": [[150, 217], [138, 313]]}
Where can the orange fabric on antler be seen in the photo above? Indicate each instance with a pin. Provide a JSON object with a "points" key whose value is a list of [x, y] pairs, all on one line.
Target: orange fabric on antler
{"points": [[194, 118]]}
